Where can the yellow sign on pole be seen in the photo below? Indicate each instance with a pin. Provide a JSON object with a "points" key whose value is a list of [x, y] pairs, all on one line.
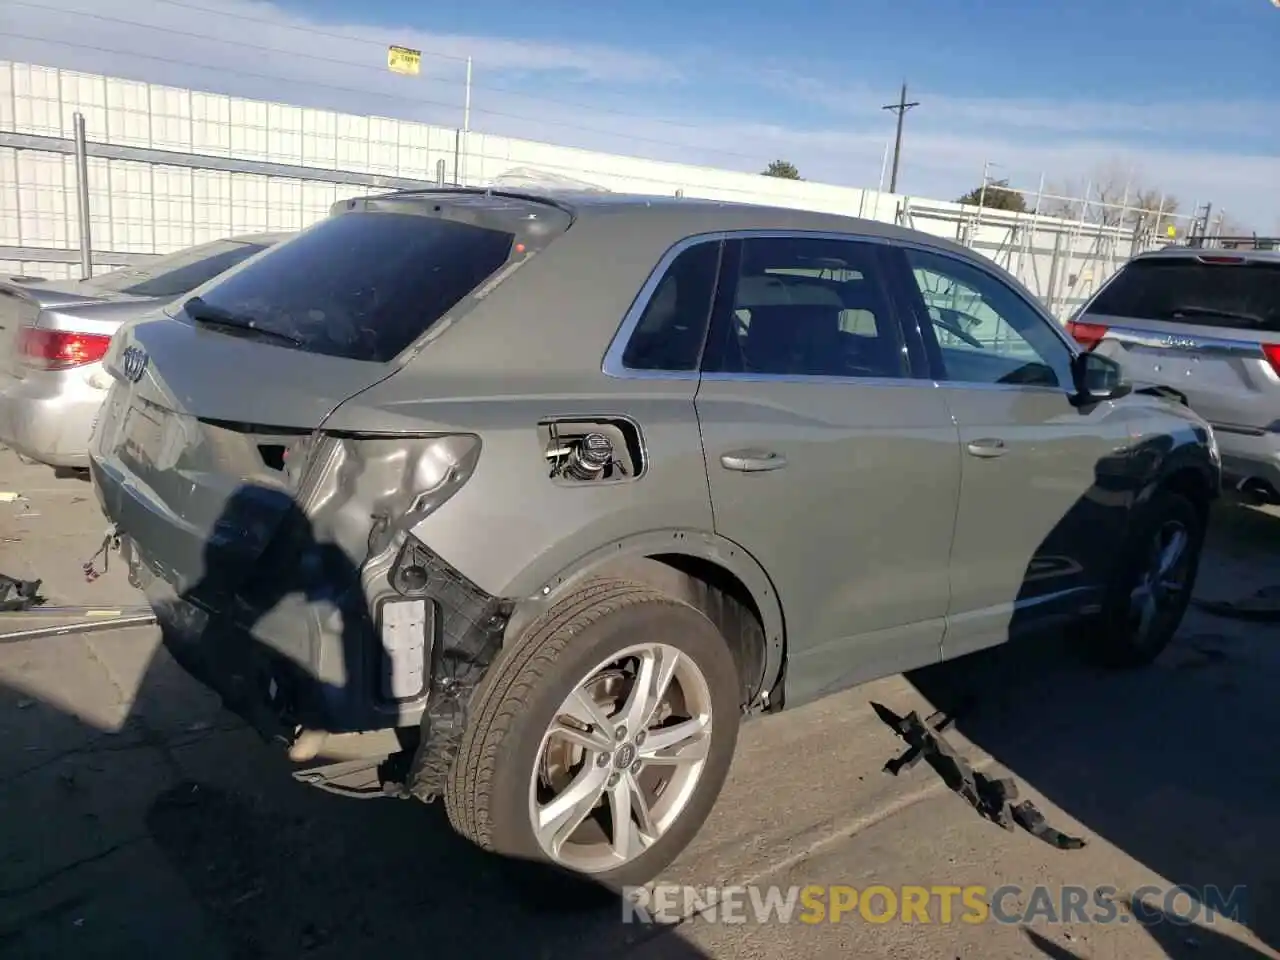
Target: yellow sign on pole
{"points": [[1173, 231], [404, 60]]}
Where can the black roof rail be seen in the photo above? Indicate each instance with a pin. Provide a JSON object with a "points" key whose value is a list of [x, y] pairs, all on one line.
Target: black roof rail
{"points": [[1236, 243]]}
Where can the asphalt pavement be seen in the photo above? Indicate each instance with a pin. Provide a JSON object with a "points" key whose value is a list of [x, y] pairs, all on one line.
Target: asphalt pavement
{"points": [[137, 818]]}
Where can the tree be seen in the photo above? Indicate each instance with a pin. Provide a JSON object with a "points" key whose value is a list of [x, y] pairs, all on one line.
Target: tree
{"points": [[998, 196], [1114, 195], [783, 170]]}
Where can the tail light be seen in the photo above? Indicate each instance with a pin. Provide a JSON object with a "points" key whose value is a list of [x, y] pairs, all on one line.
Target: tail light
{"points": [[1086, 334], [1272, 352], [60, 349]]}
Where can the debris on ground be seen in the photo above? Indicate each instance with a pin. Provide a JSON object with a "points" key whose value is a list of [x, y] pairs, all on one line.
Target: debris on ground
{"points": [[1261, 606], [992, 798], [110, 541], [18, 594]]}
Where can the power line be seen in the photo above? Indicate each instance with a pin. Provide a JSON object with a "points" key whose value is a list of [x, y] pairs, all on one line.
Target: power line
{"points": [[456, 58], [900, 108], [417, 101]]}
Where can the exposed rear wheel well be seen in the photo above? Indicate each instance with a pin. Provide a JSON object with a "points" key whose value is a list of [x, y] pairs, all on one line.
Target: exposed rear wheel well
{"points": [[719, 594]]}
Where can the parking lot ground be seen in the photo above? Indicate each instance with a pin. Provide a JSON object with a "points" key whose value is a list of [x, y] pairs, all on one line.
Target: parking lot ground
{"points": [[137, 818]]}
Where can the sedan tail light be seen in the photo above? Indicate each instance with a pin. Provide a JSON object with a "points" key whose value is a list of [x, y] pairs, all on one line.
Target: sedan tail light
{"points": [[60, 349], [1086, 334], [1272, 352]]}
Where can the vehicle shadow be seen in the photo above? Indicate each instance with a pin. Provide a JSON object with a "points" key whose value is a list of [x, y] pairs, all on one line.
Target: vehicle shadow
{"points": [[277, 867], [1169, 764], [1169, 932]]}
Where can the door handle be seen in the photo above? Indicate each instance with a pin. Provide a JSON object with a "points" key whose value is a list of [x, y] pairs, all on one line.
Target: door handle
{"points": [[987, 448], [753, 461]]}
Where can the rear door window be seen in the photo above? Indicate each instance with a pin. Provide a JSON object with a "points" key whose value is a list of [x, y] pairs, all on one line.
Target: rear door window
{"points": [[1215, 291], [803, 306], [670, 332], [362, 286]]}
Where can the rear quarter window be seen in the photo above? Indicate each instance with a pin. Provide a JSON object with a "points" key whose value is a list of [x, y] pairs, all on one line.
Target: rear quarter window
{"points": [[1235, 293], [363, 286]]}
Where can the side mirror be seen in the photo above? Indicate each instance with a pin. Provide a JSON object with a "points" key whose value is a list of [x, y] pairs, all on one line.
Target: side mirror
{"points": [[1099, 378]]}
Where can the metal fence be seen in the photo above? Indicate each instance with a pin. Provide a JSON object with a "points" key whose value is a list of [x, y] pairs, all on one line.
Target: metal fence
{"points": [[145, 171]]}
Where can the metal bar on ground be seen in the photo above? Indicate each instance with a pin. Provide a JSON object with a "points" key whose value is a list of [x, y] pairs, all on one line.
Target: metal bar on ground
{"points": [[81, 611], [83, 626]]}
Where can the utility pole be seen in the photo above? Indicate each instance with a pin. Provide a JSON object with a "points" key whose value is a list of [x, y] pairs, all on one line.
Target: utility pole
{"points": [[900, 108]]}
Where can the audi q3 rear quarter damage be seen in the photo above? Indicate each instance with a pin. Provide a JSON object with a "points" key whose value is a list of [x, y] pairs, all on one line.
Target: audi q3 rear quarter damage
{"points": [[261, 537], [342, 470]]}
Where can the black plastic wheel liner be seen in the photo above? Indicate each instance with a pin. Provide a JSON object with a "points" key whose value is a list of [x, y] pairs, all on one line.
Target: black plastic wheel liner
{"points": [[471, 628]]}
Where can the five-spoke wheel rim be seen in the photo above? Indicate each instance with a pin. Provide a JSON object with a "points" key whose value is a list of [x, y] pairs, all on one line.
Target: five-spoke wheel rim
{"points": [[621, 758], [1162, 582]]}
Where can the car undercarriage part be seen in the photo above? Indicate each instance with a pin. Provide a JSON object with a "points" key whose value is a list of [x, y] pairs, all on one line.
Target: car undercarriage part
{"points": [[992, 798], [592, 450], [18, 594]]}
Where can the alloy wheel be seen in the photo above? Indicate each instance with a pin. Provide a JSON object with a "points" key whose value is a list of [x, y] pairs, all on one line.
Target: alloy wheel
{"points": [[621, 758]]}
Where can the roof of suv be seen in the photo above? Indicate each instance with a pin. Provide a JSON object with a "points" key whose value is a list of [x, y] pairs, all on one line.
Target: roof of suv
{"points": [[688, 216], [1179, 252]]}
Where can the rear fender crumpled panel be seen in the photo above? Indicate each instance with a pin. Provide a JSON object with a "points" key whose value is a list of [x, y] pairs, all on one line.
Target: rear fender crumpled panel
{"points": [[359, 499]]}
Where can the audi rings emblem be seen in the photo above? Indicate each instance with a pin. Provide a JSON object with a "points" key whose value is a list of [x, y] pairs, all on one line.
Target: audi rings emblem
{"points": [[133, 363]]}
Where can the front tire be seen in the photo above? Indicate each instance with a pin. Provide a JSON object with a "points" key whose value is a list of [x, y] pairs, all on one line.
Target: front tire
{"points": [[1153, 582], [600, 743]]}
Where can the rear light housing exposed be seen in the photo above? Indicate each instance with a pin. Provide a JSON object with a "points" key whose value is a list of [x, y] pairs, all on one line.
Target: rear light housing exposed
{"points": [[1088, 335], [1272, 352], [60, 349]]}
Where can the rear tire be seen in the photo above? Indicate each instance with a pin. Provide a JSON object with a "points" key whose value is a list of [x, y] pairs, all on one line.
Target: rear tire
{"points": [[515, 759], [1152, 585]]}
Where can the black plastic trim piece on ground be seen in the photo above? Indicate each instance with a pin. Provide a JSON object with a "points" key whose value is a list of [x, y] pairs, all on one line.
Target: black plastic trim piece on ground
{"points": [[992, 798]]}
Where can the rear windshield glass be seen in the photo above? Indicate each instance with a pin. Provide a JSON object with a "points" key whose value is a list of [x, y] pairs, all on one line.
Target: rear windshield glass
{"points": [[362, 285], [1185, 290], [176, 273]]}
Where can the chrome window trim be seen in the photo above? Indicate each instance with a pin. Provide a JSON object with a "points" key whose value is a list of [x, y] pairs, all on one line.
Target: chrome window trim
{"points": [[817, 379]]}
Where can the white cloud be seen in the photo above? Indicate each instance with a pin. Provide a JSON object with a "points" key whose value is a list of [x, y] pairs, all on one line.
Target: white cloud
{"points": [[605, 98]]}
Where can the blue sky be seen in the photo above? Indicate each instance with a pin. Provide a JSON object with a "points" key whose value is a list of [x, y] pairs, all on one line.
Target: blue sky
{"points": [[1176, 96]]}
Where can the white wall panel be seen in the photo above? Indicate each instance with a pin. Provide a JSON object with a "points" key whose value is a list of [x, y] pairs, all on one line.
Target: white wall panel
{"points": [[10, 221], [173, 207], [210, 124], [319, 138], [132, 213], [42, 199], [284, 134], [249, 203], [284, 204], [128, 112], [212, 205], [171, 127]]}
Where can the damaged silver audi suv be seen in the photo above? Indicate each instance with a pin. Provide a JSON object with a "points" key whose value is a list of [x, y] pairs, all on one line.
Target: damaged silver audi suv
{"points": [[538, 494]]}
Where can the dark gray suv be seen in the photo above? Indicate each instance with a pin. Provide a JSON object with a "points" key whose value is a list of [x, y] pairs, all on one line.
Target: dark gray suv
{"points": [[552, 489]]}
